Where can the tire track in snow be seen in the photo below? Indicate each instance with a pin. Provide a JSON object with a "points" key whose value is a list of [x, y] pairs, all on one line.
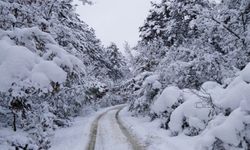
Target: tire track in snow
{"points": [[94, 129], [93, 132], [132, 139]]}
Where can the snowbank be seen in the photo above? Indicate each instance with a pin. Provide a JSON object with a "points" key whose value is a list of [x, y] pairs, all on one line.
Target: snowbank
{"points": [[152, 80], [245, 73], [232, 131], [167, 99], [233, 95], [190, 115]]}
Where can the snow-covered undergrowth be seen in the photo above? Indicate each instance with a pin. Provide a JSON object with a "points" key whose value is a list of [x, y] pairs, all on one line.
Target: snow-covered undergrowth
{"points": [[218, 114]]}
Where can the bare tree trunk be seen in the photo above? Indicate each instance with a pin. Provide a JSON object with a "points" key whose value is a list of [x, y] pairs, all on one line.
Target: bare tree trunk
{"points": [[14, 122]]}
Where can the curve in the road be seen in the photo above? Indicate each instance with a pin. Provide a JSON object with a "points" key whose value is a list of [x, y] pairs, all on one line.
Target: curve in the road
{"points": [[93, 131], [94, 127], [132, 139]]}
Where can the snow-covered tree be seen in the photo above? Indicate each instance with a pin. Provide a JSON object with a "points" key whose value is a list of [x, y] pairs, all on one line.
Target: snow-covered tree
{"points": [[171, 21], [128, 55], [117, 61], [47, 56]]}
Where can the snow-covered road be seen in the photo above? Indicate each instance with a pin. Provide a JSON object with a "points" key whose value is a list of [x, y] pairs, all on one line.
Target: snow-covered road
{"points": [[107, 133], [115, 128]]}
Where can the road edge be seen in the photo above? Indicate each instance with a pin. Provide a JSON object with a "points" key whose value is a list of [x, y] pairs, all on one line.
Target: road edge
{"points": [[94, 128], [131, 137]]}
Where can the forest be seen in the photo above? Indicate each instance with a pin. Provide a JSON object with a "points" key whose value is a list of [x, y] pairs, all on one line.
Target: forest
{"points": [[189, 72]]}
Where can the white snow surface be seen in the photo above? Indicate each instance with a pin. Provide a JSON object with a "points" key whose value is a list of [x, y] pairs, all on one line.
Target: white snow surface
{"points": [[168, 97], [234, 95], [109, 134], [194, 115], [77, 136], [20, 65], [228, 130], [19, 137], [153, 80], [245, 73], [152, 137], [26, 68], [74, 137]]}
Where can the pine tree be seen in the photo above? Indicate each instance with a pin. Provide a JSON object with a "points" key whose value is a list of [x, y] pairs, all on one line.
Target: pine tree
{"points": [[117, 62]]}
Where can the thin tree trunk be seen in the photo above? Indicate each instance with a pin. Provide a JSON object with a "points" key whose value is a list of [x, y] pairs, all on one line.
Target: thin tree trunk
{"points": [[14, 122]]}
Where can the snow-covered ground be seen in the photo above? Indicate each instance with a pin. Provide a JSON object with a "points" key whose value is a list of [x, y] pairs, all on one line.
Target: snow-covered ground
{"points": [[77, 136], [7, 134], [153, 137], [109, 134]]}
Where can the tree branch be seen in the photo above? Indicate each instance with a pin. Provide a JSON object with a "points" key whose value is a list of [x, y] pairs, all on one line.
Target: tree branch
{"points": [[227, 28]]}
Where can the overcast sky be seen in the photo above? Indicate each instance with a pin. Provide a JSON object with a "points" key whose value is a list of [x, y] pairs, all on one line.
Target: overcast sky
{"points": [[115, 20]]}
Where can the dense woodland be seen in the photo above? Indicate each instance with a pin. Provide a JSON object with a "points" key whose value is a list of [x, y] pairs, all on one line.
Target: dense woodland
{"points": [[189, 69], [192, 71], [51, 67]]}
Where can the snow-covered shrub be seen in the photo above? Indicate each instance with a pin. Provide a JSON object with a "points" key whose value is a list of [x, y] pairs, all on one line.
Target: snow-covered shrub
{"points": [[191, 74], [163, 106], [232, 129], [20, 141], [21, 67], [232, 133], [186, 110], [94, 92], [192, 116], [151, 54], [147, 92]]}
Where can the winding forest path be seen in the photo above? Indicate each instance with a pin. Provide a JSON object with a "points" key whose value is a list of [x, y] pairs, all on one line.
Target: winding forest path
{"points": [[108, 133]]}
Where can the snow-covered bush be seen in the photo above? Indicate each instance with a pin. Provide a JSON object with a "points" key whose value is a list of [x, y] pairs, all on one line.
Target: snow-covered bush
{"points": [[191, 117], [232, 130], [147, 91], [191, 73], [231, 133], [163, 106], [94, 92], [32, 85], [219, 113]]}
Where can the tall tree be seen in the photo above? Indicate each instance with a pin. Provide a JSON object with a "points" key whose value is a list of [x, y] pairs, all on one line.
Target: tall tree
{"points": [[117, 61]]}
